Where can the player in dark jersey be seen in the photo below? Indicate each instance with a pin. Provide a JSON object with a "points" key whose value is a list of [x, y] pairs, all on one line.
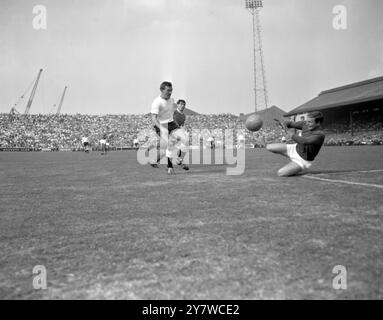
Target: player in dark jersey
{"points": [[180, 134], [306, 148], [178, 115]]}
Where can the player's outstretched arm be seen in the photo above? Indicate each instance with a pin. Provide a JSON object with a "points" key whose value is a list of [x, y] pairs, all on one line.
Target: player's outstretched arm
{"points": [[294, 125]]}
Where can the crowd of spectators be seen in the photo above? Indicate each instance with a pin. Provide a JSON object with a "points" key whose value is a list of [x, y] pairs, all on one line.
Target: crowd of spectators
{"points": [[65, 131], [357, 139], [357, 126], [366, 129]]}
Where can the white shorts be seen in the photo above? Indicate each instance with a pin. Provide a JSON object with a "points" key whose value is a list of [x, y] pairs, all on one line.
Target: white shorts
{"points": [[295, 157]]}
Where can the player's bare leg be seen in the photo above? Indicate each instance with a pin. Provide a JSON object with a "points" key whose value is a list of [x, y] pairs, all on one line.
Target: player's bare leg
{"points": [[163, 143], [291, 169], [278, 148], [170, 166], [160, 155], [154, 163], [181, 156], [181, 146], [169, 154]]}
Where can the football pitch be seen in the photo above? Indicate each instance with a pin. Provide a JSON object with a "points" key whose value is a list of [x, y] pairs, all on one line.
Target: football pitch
{"points": [[106, 227]]}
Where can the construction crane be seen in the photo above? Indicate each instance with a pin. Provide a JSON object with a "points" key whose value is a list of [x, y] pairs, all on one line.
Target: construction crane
{"points": [[61, 101], [13, 109], [33, 93]]}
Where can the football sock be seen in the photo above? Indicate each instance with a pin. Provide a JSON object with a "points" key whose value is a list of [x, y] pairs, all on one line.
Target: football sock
{"points": [[170, 164]]}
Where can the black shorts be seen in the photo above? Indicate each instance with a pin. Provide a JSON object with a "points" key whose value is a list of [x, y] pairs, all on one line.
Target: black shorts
{"points": [[171, 127], [86, 144]]}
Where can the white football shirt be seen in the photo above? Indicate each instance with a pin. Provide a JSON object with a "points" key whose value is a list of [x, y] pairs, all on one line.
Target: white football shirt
{"points": [[164, 109]]}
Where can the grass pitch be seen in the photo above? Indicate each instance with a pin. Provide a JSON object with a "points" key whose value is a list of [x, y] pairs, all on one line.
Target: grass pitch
{"points": [[109, 228]]}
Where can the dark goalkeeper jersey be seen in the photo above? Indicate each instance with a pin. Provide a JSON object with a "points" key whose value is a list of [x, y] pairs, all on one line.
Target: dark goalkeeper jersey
{"points": [[179, 118], [311, 141]]}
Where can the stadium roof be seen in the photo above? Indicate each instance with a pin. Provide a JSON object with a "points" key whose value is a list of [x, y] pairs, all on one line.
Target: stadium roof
{"points": [[364, 91]]}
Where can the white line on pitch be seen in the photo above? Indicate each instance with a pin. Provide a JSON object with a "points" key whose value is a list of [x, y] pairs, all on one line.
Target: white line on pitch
{"points": [[345, 182], [367, 171]]}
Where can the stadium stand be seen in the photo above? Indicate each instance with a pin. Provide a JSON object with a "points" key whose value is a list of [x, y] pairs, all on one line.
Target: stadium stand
{"points": [[63, 132], [57, 132], [353, 116]]}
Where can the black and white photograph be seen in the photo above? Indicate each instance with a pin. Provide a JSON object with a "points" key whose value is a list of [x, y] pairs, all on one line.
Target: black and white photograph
{"points": [[208, 152]]}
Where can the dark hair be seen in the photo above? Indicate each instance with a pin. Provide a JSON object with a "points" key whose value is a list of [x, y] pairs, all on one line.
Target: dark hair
{"points": [[165, 84], [181, 101], [317, 115]]}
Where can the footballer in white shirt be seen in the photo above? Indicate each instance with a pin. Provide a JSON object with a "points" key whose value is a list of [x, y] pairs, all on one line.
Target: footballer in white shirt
{"points": [[85, 144], [103, 145], [162, 111]]}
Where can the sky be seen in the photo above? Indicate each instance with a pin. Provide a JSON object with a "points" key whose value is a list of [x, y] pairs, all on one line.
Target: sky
{"points": [[113, 54]]}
